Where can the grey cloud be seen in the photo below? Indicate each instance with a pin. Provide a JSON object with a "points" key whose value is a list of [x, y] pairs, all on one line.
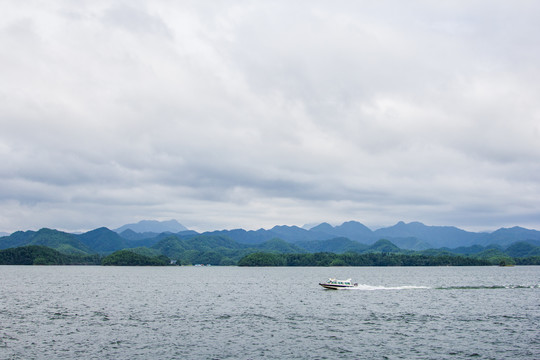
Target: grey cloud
{"points": [[137, 20], [245, 114]]}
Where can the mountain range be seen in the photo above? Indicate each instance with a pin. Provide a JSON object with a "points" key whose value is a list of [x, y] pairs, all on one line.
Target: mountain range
{"points": [[227, 247], [349, 236], [413, 236]]}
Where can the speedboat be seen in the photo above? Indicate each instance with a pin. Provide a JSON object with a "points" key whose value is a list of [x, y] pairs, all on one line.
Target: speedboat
{"points": [[336, 284]]}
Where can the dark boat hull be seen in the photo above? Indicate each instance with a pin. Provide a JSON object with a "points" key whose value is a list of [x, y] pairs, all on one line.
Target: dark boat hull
{"points": [[335, 286]]}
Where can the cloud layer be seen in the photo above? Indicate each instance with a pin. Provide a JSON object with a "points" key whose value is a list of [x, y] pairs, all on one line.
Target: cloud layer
{"points": [[242, 114]]}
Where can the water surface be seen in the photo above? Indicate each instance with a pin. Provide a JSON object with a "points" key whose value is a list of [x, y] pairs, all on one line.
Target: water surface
{"points": [[66, 312]]}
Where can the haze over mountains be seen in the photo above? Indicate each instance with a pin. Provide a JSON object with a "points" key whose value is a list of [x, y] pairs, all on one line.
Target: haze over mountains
{"points": [[415, 235], [153, 226], [228, 247], [349, 236]]}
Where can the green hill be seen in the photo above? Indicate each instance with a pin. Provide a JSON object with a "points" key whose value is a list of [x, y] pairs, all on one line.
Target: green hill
{"points": [[336, 245], [494, 256], [280, 246], [64, 242], [522, 249], [145, 251], [202, 249], [42, 255], [103, 240], [383, 246], [172, 246], [206, 243], [18, 238], [217, 249], [130, 258]]}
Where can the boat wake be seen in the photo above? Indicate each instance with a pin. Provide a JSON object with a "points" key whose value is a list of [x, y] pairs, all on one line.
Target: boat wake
{"points": [[365, 287], [490, 287]]}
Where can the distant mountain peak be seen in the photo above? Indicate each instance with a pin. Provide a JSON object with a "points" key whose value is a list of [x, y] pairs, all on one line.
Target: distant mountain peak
{"points": [[353, 225], [102, 229], [312, 225], [384, 245], [287, 227], [322, 227], [154, 226], [350, 222]]}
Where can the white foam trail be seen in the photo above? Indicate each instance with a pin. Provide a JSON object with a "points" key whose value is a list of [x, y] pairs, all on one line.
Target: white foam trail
{"points": [[371, 287]]}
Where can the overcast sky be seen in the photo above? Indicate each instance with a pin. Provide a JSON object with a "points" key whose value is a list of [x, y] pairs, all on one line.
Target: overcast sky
{"points": [[227, 114]]}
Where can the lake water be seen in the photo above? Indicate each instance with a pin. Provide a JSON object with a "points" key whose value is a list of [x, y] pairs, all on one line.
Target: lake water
{"points": [[93, 312]]}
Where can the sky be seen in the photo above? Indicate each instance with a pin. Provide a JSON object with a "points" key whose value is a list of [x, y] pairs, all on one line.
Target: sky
{"points": [[229, 114]]}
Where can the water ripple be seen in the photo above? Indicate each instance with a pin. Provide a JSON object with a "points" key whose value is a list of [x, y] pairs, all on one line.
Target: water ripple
{"points": [[238, 313]]}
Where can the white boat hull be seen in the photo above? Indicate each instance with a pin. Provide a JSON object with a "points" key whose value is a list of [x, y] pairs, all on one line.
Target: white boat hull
{"points": [[337, 286]]}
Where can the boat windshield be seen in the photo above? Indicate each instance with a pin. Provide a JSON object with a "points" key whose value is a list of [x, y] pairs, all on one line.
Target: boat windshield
{"points": [[339, 282]]}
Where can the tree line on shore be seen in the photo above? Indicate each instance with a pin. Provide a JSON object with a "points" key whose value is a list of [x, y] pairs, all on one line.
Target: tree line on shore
{"points": [[42, 255], [374, 259]]}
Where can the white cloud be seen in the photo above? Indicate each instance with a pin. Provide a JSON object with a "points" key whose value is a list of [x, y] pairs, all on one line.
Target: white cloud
{"points": [[237, 114]]}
